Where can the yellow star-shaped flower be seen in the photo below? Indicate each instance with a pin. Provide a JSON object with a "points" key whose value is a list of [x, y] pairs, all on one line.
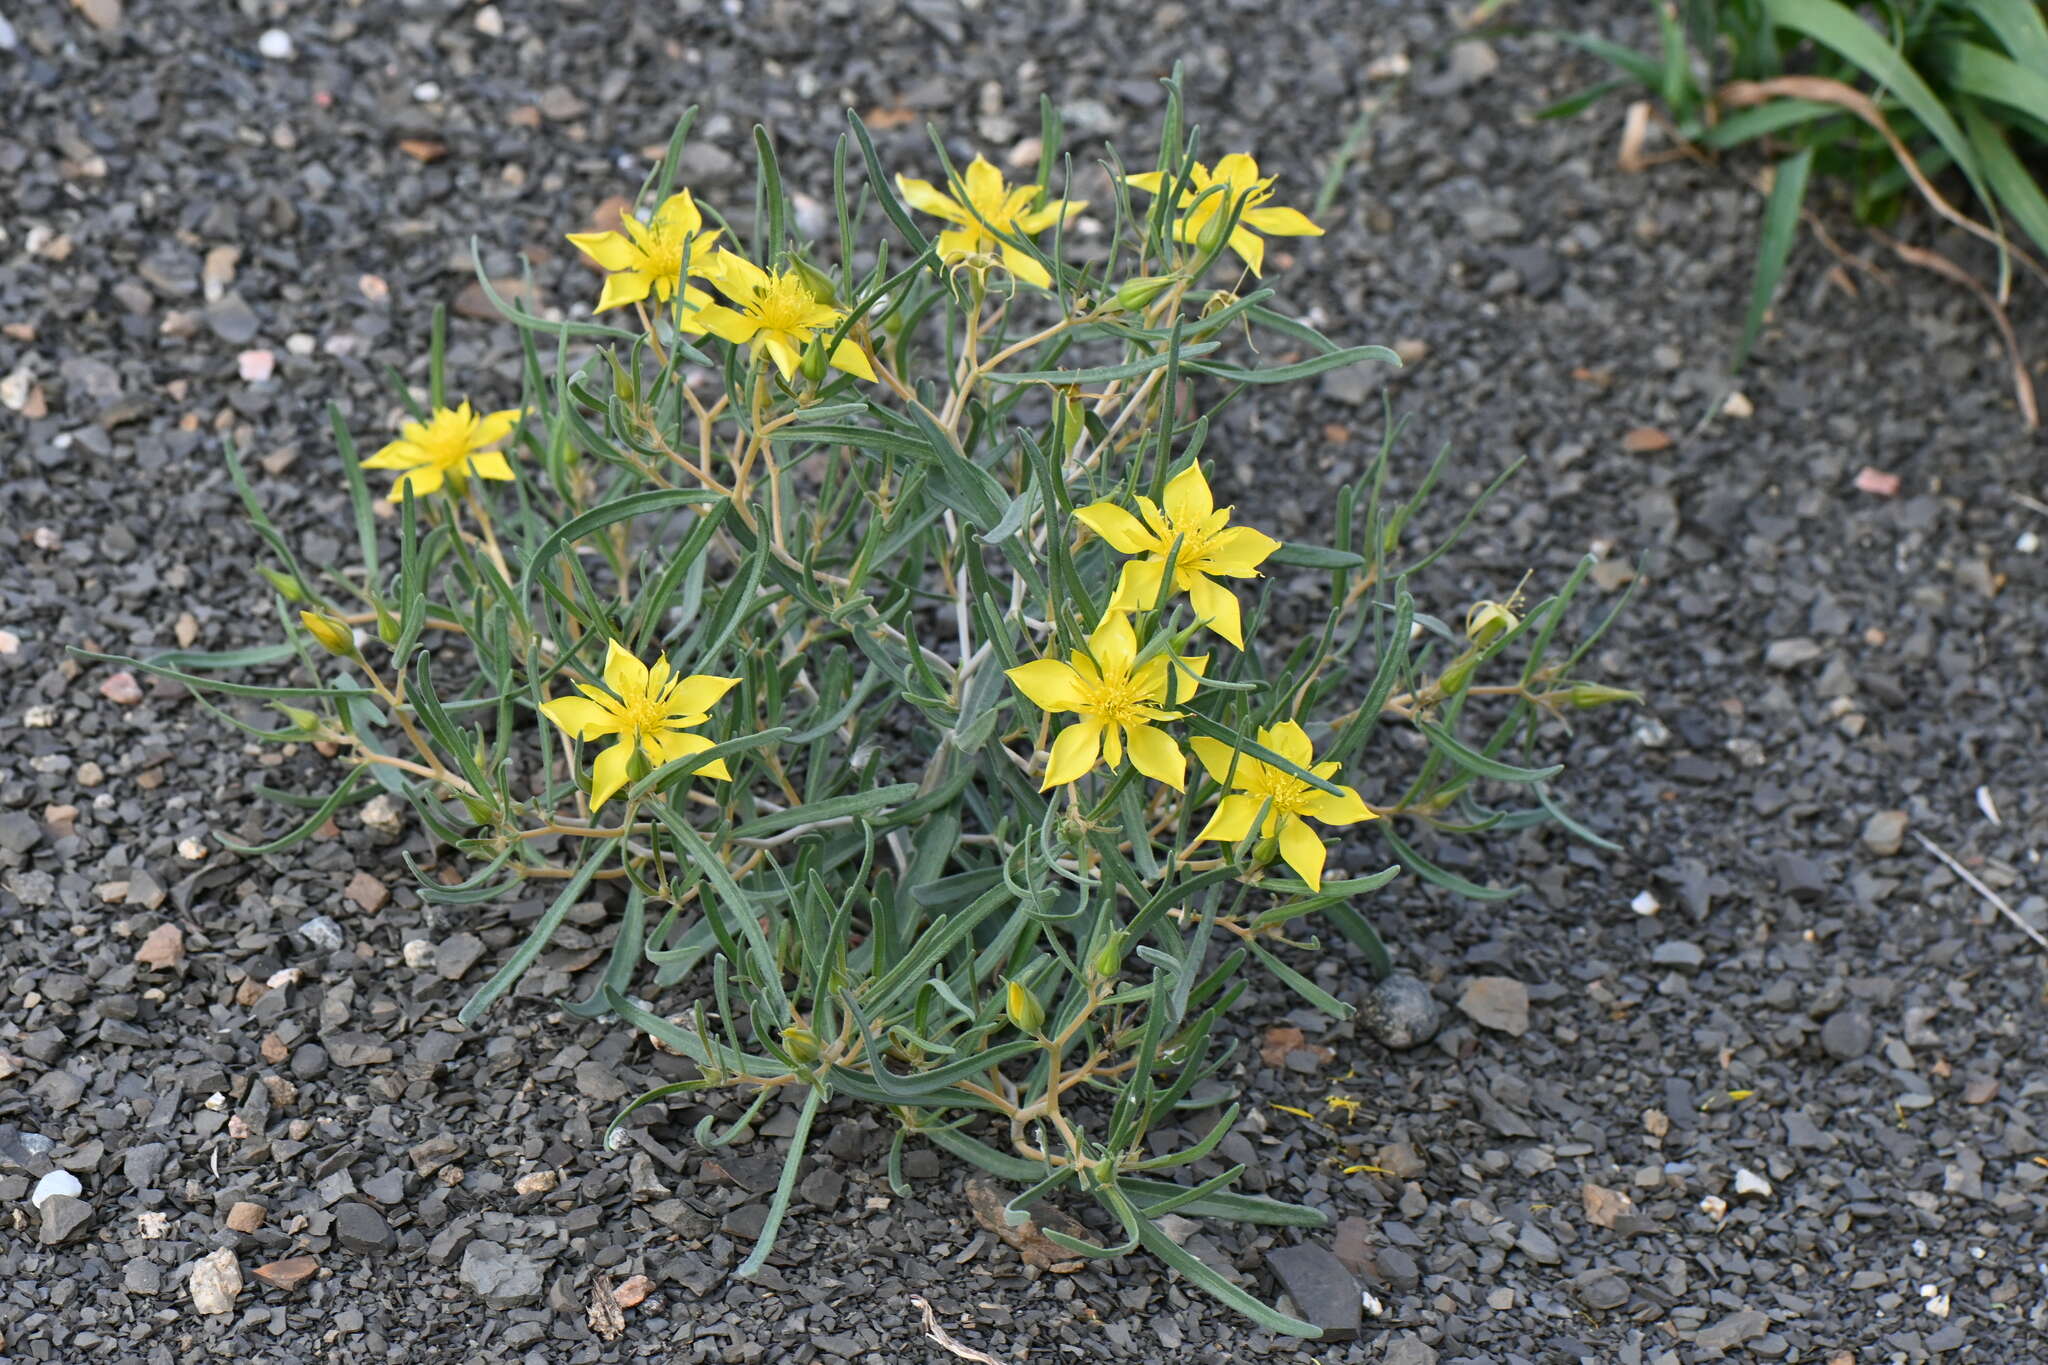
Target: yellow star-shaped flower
{"points": [[1119, 701], [776, 313], [1289, 802], [650, 710], [1238, 175], [991, 206], [648, 258], [448, 447], [1209, 545]]}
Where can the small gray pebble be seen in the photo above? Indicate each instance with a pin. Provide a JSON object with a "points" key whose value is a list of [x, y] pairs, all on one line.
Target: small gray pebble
{"points": [[1400, 1011]]}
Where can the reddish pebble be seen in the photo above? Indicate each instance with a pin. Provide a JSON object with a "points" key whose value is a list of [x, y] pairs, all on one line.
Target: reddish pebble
{"points": [[256, 367], [122, 689], [289, 1273], [1877, 481], [165, 947], [633, 1292], [246, 1217]]}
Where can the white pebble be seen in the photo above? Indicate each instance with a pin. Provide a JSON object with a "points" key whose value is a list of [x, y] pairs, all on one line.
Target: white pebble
{"points": [[419, 953], [275, 44], [1645, 904], [2028, 543], [54, 1184], [1749, 1182], [426, 92]]}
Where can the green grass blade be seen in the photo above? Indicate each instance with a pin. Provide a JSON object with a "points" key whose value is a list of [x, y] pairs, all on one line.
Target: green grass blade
{"points": [[1781, 225]]}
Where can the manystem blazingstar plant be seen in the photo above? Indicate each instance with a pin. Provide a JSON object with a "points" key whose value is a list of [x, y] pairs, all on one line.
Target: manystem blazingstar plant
{"points": [[847, 632]]}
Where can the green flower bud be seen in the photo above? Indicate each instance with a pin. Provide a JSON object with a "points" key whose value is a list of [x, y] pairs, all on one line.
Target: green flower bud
{"points": [[1109, 958], [1586, 696], [387, 626], [1265, 852], [1073, 421], [1458, 676], [480, 810], [1140, 291], [800, 1043], [334, 637], [287, 586], [815, 361], [305, 722], [1023, 1008], [818, 282], [1488, 621]]}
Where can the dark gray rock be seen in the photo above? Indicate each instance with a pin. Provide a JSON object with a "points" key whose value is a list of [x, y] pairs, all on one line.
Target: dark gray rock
{"points": [[1847, 1035], [64, 1220], [361, 1228], [1323, 1291], [1400, 1011]]}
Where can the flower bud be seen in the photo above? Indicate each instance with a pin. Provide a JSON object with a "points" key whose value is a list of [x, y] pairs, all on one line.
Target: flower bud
{"points": [[1211, 237], [334, 637], [1586, 696], [287, 586], [1458, 676], [1109, 958], [1488, 621], [800, 1043], [815, 361], [818, 282], [387, 626], [1265, 852], [304, 721], [1073, 420], [1140, 291], [1023, 1008]]}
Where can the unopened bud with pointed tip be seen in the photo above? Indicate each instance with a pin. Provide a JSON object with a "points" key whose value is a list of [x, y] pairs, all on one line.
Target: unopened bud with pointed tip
{"points": [[1023, 1008], [334, 636]]}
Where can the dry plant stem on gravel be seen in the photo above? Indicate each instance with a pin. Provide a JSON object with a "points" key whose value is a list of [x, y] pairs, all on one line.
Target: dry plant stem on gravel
{"points": [[863, 615]]}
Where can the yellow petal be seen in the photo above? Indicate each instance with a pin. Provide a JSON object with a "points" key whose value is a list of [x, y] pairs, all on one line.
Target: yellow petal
{"points": [[956, 243], [1237, 552], [1124, 532], [1049, 684], [1280, 222], [1148, 181], [736, 275], [670, 745], [1249, 245], [1302, 851], [1216, 606], [580, 717], [1113, 645], [1348, 809], [1058, 210], [422, 480], [627, 286], [785, 356], [1239, 169], [853, 360], [397, 455], [926, 197], [679, 211], [1137, 587], [1024, 268], [1232, 820], [1074, 752], [984, 182], [623, 674], [1290, 741], [700, 692], [490, 464], [1113, 744], [1218, 759], [1154, 754], [494, 427], [608, 773], [611, 250], [725, 324], [1188, 500]]}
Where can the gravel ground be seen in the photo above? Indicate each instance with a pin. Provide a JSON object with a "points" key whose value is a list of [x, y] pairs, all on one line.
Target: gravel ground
{"points": [[1768, 1085]]}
